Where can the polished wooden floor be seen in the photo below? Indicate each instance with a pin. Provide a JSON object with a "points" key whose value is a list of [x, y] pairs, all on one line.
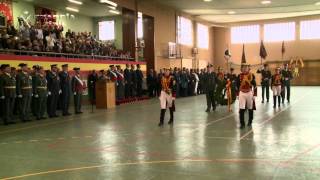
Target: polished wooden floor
{"points": [[125, 143]]}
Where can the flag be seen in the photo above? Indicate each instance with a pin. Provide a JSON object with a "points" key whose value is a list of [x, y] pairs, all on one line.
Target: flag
{"points": [[243, 59], [263, 51], [283, 48]]}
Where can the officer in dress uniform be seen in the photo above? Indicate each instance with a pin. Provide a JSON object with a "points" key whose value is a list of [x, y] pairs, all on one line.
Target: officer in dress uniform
{"points": [[33, 100], [65, 90], [276, 82], [40, 93], [128, 81], [7, 93], [24, 92], [247, 91], [287, 77], [167, 97], [139, 80], [78, 86], [120, 83], [265, 81], [54, 91], [210, 79]]}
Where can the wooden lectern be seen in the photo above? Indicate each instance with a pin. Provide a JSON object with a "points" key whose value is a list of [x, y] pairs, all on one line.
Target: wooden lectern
{"points": [[105, 95]]}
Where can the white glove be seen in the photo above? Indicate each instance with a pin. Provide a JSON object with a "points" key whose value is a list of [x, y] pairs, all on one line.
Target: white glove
{"points": [[60, 91], [20, 96], [2, 97], [74, 93], [36, 96], [49, 93]]}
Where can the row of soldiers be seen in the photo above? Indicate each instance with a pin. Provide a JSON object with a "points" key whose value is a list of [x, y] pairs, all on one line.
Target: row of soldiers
{"points": [[128, 81], [25, 92]]}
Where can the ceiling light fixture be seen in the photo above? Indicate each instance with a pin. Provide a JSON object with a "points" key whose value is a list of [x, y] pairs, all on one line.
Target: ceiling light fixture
{"points": [[317, 3], [207, 0], [231, 12], [266, 2], [109, 2], [75, 2], [114, 12], [112, 7], [72, 9]]}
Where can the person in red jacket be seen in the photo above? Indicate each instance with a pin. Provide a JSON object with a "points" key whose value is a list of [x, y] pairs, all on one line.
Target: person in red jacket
{"points": [[276, 83], [78, 87], [247, 91], [167, 96]]}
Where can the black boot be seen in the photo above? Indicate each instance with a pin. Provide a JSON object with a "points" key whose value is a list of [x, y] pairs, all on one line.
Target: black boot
{"points": [[162, 114], [274, 102], [242, 123], [171, 116], [279, 100], [250, 117]]}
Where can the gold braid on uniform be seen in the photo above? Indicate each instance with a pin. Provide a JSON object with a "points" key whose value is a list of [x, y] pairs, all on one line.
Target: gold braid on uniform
{"points": [[165, 84]]}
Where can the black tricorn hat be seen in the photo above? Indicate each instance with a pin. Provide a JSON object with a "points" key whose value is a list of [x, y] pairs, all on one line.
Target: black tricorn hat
{"points": [[53, 65], [3, 66], [22, 65], [76, 69], [65, 65]]}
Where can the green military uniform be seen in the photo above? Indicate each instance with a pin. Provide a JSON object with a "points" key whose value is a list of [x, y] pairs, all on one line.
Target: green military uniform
{"points": [[8, 95], [34, 99], [40, 94], [24, 92]]}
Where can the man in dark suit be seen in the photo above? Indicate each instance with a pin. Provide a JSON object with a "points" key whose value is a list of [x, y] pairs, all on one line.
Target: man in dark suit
{"points": [[265, 81], [127, 80], [287, 77], [139, 80], [65, 90], [133, 85], [92, 79]]}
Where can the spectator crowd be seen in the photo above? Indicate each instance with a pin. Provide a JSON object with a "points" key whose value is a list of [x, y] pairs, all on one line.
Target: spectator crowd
{"points": [[50, 37]]}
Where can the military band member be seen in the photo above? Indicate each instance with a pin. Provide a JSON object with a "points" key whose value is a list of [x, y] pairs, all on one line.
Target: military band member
{"points": [[40, 93], [167, 97], [7, 93], [276, 82], [78, 87], [287, 77], [54, 91], [247, 91], [265, 81], [210, 79], [65, 90], [24, 92]]}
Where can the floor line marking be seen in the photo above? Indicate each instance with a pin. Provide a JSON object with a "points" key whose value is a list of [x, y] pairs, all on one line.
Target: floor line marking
{"points": [[146, 163], [212, 122], [272, 117]]}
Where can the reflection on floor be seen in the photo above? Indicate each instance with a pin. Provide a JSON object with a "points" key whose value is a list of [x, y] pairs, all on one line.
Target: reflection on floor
{"points": [[125, 143]]}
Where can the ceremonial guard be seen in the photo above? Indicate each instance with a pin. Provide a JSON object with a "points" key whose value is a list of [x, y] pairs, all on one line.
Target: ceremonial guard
{"points": [[265, 81], [276, 83], [92, 79], [210, 79], [65, 90], [24, 92], [54, 91], [7, 93], [40, 93], [120, 83], [287, 77], [127, 81], [167, 97], [247, 91], [78, 87], [139, 80]]}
